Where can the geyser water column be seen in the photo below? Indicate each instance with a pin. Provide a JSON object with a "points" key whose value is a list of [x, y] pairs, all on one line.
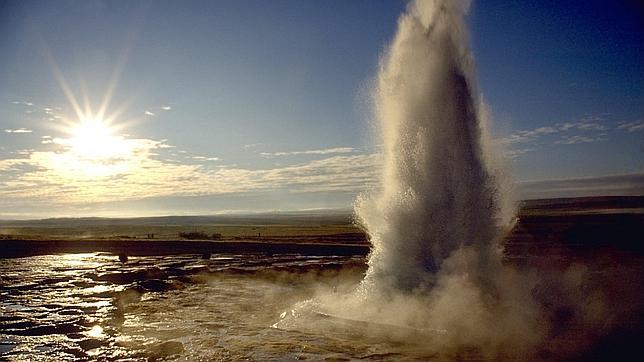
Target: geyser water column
{"points": [[437, 193]]}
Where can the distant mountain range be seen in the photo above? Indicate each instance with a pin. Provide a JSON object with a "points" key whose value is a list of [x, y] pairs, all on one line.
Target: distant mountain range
{"points": [[585, 203], [322, 217]]}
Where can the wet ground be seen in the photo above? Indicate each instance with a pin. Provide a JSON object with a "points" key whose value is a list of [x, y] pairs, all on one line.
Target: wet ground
{"points": [[91, 306], [184, 307], [215, 305]]}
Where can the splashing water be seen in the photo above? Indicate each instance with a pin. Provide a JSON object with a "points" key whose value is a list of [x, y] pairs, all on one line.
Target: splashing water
{"points": [[435, 271], [439, 192], [436, 285]]}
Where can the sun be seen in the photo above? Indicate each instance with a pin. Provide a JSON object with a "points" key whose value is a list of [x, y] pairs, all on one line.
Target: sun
{"points": [[93, 139], [93, 150]]}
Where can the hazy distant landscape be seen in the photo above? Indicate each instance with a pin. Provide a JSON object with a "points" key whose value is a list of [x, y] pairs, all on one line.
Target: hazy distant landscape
{"points": [[324, 226], [261, 226], [577, 223]]}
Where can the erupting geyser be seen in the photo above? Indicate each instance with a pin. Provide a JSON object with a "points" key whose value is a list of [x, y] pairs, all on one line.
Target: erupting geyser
{"points": [[434, 222], [438, 191]]}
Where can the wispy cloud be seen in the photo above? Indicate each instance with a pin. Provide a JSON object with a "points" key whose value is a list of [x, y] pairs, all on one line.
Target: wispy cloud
{"points": [[166, 108], [571, 140], [527, 135], [631, 126], [148, 113], [588, 124], [585, 125], [37, 177], [251, 145], [204, 158], [61, 177], [518, 152], [24, 103], [18, 130], [325, 151], [587, 130]]}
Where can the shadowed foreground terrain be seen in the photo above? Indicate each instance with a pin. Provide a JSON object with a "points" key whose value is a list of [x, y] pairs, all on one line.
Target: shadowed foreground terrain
{"points": [[206, 299]]}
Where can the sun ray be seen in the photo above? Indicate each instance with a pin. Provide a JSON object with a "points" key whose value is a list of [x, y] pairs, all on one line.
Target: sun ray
{"points": [[117, 113], [115, 77], [58, 74], [91, 146], [86, 102]]}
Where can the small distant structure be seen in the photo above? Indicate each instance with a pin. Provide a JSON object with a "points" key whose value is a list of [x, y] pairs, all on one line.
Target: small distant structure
{"points": [[149, 236], [193, 235], [123, 258]]}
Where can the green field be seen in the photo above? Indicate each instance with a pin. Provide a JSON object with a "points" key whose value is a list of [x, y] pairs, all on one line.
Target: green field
{"points": [[276, 227]]}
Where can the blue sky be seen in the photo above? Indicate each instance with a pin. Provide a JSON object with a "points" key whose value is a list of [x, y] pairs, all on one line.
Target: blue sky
{"points": [[254, 105]]}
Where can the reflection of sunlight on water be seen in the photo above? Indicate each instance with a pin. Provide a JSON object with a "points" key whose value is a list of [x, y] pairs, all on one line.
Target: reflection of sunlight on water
{"points": [[101, 289], [96, 332], [98, 304], [88, 260], [76, 259], [79, 313]]}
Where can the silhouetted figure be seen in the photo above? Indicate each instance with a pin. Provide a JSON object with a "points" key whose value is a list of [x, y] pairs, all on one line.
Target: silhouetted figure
{"points": [[123, 258]]}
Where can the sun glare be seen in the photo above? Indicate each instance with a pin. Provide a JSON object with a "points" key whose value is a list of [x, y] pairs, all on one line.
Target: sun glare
{"points": [[93, 139], [92, 149]]}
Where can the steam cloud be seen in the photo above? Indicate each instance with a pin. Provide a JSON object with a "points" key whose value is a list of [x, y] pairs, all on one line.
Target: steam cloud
{"points": [[438, 193], [444, 204], [435, 274]]}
